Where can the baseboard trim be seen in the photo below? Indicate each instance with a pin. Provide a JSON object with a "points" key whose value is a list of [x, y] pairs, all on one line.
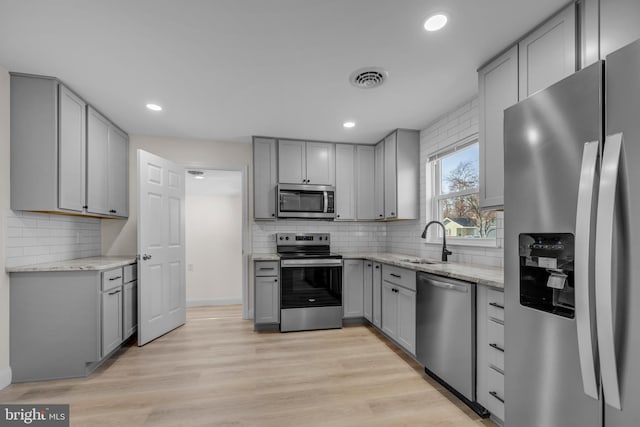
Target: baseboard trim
{"points": [[5, 377], [216, 301]]}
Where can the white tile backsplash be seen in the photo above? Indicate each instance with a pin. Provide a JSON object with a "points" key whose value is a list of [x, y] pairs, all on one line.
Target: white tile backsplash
{"points": [[34, 237]]}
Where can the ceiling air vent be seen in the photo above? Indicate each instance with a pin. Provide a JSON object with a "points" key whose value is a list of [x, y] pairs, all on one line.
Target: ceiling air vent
{"points": [[196, 173], [368, 78]]}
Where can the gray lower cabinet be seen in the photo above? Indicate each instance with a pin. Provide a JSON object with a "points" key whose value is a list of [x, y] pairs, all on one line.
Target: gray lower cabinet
{"points": [[130, 301], [399, 306], [353, 288], [266, 293], [64, 323], [265, 178], [376, 300], [107, 167], [368, 291], [49, 168]]}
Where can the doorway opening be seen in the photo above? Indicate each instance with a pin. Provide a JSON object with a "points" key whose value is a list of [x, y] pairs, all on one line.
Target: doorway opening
{"points": [[215, 210]]}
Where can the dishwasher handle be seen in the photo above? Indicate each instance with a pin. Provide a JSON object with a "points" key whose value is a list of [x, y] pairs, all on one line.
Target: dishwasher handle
{"points": [[463, 287]]}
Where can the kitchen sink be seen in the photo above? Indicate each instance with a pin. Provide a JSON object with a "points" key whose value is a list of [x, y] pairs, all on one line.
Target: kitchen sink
{"points": [[422, 261]]}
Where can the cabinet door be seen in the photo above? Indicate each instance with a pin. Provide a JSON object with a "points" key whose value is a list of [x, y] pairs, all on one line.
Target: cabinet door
{"points": [[619, 24], [482, 340], [111, 320], [498, 89], [353, 288], [377, 295], [118, 173], [368, 290], [291, 162], [365, 182], [378, 181], [267, 304], [345, 182], [407, 319], [549, 53], [390, 176], [321, 163], [264, 178], [71, 151], [130, 308], [389, 310], [97, 163]]}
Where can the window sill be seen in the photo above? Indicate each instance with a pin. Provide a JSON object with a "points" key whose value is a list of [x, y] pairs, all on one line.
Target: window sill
{"points": [[476, 243]]}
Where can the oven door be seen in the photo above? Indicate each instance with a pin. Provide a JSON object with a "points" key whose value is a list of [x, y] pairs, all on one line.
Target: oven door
{"points": [[310, 283], [305, 201]]}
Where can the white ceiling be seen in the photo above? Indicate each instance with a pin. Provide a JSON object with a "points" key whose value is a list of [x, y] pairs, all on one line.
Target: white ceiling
{"points": [[228, 69]]}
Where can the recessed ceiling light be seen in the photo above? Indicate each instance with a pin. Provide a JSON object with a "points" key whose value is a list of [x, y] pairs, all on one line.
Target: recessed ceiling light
{"points": [[435, 22], [154, 107], [199, 177], [349, 125]]}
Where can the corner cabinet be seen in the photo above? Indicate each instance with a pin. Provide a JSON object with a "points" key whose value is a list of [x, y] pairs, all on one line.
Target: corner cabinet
{"points": [[302, 162], [107, 167], [266, 311], [402, 174], [49, 168], [265, 178], [498, 89]]}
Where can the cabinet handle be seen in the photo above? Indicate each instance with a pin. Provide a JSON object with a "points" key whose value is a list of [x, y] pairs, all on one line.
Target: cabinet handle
{"points": [[338, 216], [393, 213], [114, 292], [275, 280], [395, 275], [377, 267], [273, 214], [497, 347], [494, 394], [495, 304], [266, 268], [368, 265], [85, 207], [115, 278]]}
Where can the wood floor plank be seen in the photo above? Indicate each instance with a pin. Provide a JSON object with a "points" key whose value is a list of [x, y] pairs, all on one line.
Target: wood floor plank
{"points": [[216, 371]]}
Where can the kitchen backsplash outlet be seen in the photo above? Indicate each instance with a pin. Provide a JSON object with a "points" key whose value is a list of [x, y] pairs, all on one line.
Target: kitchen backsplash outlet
{"points": [[34, 237]]}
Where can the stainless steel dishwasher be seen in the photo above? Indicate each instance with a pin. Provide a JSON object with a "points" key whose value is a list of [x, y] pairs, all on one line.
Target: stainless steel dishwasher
{"points": [[445, 332]]}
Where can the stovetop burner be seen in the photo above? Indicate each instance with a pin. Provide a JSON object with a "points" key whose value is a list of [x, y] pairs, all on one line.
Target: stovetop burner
{"points": [[304, 245]]}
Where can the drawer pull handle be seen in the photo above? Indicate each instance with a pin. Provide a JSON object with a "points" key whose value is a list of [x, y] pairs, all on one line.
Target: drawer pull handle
{"points": [[497, 347], [494, 394], [115, 278], [267, 268], [395, 275], [114, 292], [495, 304]]}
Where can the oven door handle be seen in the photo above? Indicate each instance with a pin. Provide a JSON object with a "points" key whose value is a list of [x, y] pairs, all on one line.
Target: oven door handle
{"points": [[310, 263]]}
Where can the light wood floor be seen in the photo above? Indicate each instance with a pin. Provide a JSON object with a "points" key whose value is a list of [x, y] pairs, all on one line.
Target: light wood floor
{"points": [[215, 371]]}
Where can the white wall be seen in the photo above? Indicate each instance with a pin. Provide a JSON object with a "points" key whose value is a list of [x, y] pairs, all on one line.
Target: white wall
{"points": [[214, 247], [119, 237], [5, 370]]}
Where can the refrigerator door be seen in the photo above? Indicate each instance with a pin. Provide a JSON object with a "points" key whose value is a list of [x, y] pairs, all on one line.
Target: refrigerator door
{"points": [[623, 116], [544, 142]]}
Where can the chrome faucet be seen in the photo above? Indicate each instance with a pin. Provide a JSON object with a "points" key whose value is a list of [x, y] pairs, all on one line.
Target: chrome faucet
{"points": [[445, 251]]}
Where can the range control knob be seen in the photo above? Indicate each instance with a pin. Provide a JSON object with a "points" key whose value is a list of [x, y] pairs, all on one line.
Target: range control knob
{"points": [[281, 237], [287, 238]]}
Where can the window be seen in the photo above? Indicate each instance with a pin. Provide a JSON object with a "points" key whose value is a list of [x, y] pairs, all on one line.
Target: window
{"points": [[454, 199]]}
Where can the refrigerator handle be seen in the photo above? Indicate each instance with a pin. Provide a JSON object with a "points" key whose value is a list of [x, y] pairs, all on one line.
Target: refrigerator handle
{"points": [[611, 161], [587, 195]]}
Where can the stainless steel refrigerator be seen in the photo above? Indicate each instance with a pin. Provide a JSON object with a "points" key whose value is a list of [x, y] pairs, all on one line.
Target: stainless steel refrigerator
{"points": [[572, 250]]}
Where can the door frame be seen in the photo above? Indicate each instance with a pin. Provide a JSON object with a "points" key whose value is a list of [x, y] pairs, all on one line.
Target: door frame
{"points": [[246, 244]]}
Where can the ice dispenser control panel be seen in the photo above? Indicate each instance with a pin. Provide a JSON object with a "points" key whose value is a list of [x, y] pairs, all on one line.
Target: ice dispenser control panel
{"points": [[546, 273]]}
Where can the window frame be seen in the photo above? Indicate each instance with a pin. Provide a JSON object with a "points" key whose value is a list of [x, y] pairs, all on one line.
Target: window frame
{"points": [[434, 196]]}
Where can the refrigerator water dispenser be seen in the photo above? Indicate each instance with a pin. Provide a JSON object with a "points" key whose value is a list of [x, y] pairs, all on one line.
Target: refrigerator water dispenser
{"points": [[546, 273]]}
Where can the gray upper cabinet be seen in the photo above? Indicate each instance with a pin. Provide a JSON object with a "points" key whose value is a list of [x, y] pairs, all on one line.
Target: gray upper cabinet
{"points": [[301, 162], [548, 54], [401, 174], [365, 182], [49, 153], [345, 182], [107, 167], [498, 89], [378, 181], [619, 24], [265, 177]]}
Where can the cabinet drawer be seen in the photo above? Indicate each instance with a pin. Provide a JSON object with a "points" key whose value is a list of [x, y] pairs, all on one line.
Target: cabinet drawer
{"points": [[267, 268], [495, 309], [495, 356], [495, 399], [111, 279], [399, 276], [130, 273], [495, 332]]}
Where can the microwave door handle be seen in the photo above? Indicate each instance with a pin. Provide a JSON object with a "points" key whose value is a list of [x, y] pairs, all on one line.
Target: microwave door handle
{"points": [[587, 195], [612, 161], [326, 202]]}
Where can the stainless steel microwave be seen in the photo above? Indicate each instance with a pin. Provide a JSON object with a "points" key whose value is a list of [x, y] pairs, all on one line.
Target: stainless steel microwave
{"points": [[306, 201]]}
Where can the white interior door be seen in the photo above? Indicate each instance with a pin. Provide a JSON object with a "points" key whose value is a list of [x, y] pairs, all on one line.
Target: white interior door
{"points": [[161, 230]]}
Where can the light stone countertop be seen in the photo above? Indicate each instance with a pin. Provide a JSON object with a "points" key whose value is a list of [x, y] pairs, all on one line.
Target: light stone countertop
{"points": [[98, 263], [483, 275]]}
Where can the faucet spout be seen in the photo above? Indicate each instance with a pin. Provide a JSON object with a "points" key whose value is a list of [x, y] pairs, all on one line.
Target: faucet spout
{"points": [[445, 251]]}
